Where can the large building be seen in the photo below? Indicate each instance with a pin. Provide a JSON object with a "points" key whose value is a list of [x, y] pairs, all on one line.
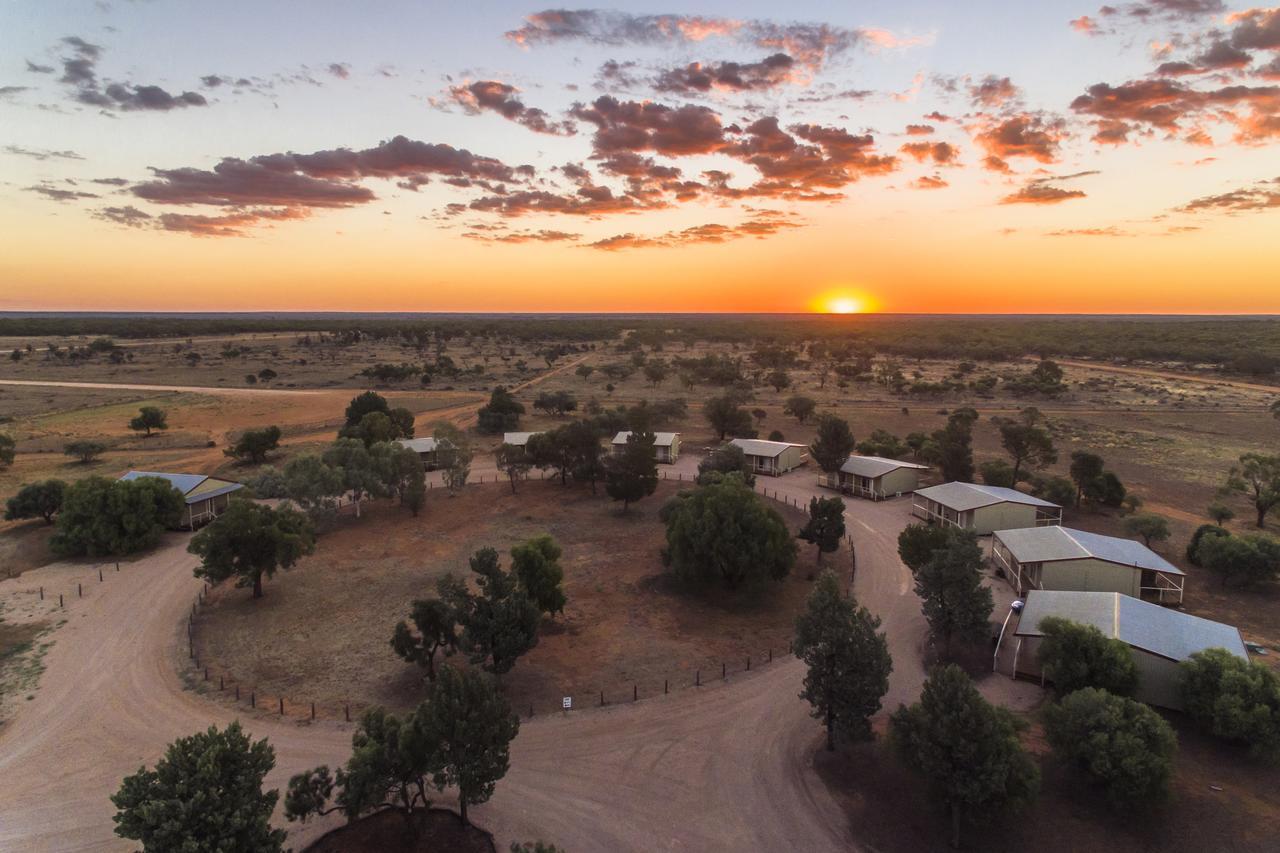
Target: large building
{"points": [[1064, 558], [875, 477], [427, 448], [666, 445], [1160, 637], [983, 509], [772, 457], [205, 497]]}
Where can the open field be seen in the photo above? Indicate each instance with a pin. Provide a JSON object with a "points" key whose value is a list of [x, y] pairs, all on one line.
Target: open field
{"points": [[321, 633]]}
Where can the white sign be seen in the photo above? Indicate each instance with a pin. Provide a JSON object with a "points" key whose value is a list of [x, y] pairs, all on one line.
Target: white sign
{"points": [[567, 702]]}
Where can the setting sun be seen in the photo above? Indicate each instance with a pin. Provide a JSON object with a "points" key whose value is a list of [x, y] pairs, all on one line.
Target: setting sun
{"points": [[841, 302]]}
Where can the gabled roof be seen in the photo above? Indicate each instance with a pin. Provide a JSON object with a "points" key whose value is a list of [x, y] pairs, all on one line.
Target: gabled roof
{"points": [[426, 444], [660, 439], [1048, 544], [964, 496], [875, 466], [189, 483], [1159, 630], [518, 438], [760, 447]]}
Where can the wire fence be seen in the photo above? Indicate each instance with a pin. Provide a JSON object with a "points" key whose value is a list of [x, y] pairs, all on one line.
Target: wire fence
{"points": [[209, 677]]}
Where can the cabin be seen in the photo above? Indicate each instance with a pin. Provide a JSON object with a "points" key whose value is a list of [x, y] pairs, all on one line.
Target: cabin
{"points": [[874, 477], [518, 439], [1159, 637], [983, 509], [772, 457], [666, 445], [1063, 558], [205, 497], [427, 448]]}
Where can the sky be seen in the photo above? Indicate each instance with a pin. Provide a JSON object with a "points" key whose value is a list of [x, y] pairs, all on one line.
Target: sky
{"points": [[917, 157]]}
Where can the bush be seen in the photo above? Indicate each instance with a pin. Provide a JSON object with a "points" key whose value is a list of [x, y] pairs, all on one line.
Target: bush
{"points": [[725, 459], [1076, 656], [1193, 547], [36, 500], [1234, 699], [1244, 560], [722, 532], [84, 450], [102, 517], [997, 473], [1123, 745]]}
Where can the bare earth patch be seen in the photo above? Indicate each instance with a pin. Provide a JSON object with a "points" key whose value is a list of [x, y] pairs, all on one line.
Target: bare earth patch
{"points": [[322, 631]]}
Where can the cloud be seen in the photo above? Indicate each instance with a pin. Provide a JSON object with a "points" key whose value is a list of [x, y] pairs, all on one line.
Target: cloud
{"points": [[1263, 195], [59, 194], [41, 153], [6, 91], [992, 91], [35, 68], [1256, 29], [919, 129], [649, 126], [763, 223], [810, 45], [341, 70], [1163, 104], [501, 98], [1085, 24], [1166, 10], [1037, 193], [79, 70], [1108, 231], [930, 182], [127, 215], [1021, 135], [770, 72], [225, 225], [540, 236], [939, 152]]}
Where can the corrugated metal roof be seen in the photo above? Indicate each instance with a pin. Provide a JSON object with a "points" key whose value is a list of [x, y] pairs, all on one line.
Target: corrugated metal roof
{"points": [[760, 447], [963, 496], [519, 439], [1143, 625], [189, 483], [426, 444], [875, 466], [1046, 544], [660, 439]]}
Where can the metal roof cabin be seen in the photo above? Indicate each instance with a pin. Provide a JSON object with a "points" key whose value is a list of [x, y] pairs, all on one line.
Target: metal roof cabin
{"points": [[205, 497], [982, 508], [1063, 558], [772, 457], [666, 445], [874, 477]]}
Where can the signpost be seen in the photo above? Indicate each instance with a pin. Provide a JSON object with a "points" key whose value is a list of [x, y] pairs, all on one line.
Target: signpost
{"points": [[567, 703]]}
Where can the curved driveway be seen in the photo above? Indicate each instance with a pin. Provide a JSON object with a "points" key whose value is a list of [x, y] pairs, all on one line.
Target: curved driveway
{"points": [[724, 767]]}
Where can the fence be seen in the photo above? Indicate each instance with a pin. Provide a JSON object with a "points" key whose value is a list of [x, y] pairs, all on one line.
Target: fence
{"points": [[213, 679]]}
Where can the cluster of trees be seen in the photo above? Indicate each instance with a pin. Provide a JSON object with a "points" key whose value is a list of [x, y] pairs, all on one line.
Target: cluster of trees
{"points": [[1243, 560], [555, 402], [254, 445], [946, 563], [493, 626], [1093, 482], [1045, 379], [1233, 699], [99, 517], [501, 414], [347, 468], [371, 420], [36, 500]]}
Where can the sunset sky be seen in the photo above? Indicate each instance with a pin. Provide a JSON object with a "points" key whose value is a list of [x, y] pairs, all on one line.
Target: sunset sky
{"points": [[747, 156]]}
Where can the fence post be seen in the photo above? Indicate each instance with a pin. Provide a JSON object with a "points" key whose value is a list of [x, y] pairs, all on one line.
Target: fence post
{"points": [[253, 699], [697, 678], [601, 698], [282, 706], [222, 683], [117, 565], [724, 672], [346, 711], [531, 710], [771, 655], [664, 687], [42, 593], [59, 599], [635, 691], [99, 574], [237, 692], [313, 710], [80, 590], [206, 673], [748, 663]]}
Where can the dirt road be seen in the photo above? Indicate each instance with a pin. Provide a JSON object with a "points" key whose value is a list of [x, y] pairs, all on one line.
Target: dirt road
{"points": [[1169, 375], [212, 390]]}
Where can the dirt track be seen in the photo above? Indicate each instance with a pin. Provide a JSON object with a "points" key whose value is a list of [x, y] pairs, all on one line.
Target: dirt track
{"points": [[724, 767]]}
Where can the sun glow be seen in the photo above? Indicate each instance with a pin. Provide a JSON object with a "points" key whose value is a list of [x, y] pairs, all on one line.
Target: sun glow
{"points": [[842, 302]]}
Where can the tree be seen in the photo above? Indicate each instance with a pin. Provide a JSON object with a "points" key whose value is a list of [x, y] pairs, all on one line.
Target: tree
{"points": [[1244, 560], [1025, 440], [1148, 525], [437, 631], [1220, 513], [513, 460], [955, 603], [917, 544], [1074, 656], [364, 404], [1108, 491], [825, 527], [36, 500], [502, 413], [722, 532], [582, 442], [536, 565], [266, 374], [1121, 744], [632, 474], [249, 541], [399, 472], [84, 450], [655, 371], [555, 402], [1234, 699], [726, 416], [1193, 546], [833, 443], [952, 446], [848, 662], [800, 408], [779, 380], [313, 484], [253, 445], [498, 625], [470, 727], [101, 517], [550, 451], [7, 449], [725, 459], [997, 472], [1258, 476], [1085, 469], [149, 418], [1058, 490], [350, 457], [967, 748], [454, 455], [205, 794], [883, 443]]}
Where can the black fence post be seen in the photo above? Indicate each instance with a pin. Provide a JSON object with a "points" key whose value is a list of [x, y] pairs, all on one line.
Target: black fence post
{"points": [[770, 655], [253, 699], [222, 683], [313, 710], [664, 687], [42, 593], [206, 673], [99, 574], [282, 706], [724, 672], [59, 599], [635, 691], [697, 678], [237, 692], [601, 698], [748, 663], [346, 712], [117, 565], [80, 590]]}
